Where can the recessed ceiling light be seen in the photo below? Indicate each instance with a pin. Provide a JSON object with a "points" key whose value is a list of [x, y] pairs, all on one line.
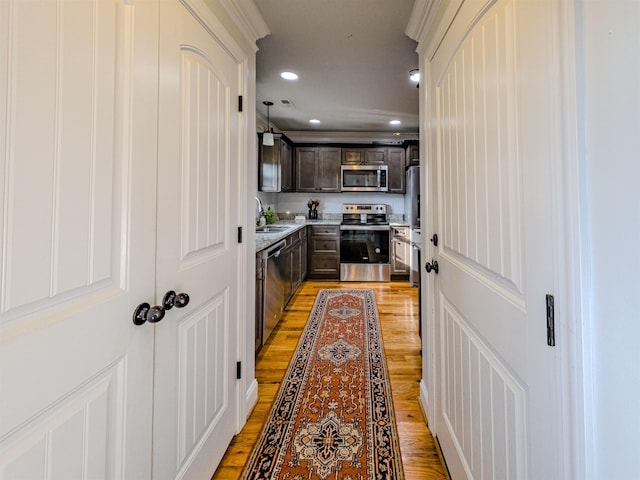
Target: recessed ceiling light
{"points": [[394, 122], [314, 120], [289, 76]]}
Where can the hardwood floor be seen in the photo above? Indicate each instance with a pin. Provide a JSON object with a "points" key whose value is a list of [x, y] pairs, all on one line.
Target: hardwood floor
{"points": [[398, 310]]}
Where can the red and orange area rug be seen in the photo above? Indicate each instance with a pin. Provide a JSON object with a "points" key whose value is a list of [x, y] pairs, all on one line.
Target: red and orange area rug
{"points": [[333, 415]]}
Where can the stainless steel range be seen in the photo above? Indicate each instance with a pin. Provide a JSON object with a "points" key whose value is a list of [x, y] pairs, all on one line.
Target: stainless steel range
{"points": [[364, 243]]}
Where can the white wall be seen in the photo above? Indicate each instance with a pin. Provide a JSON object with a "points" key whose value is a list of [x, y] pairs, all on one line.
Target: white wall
{"points": [[610, 99]]}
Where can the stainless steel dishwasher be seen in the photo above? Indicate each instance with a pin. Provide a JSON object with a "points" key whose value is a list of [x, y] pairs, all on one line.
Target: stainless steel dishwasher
{"points": [[274, 287]]}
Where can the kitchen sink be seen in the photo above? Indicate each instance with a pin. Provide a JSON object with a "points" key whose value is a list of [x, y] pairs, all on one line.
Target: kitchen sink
{"points": [[272, 228]]}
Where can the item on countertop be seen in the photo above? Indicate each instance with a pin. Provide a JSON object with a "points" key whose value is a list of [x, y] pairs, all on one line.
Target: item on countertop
{"points": [[313, 208], [271, 216], [300, 219]]}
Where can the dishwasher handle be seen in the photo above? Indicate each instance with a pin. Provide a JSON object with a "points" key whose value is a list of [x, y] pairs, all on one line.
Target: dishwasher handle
{"points": [[275, 251]]}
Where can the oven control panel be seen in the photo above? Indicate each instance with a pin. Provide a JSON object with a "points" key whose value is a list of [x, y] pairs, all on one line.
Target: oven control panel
{"points": [[364, 208]]}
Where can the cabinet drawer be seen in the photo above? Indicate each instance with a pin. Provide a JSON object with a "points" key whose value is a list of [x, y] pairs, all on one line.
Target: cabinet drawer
{"points": [[324, 266], [325, 230], [294, 237], [324, 245], [400, 231]]}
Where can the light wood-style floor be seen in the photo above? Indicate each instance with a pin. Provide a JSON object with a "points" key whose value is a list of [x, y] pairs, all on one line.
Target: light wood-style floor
{"points": [[398, 310]]}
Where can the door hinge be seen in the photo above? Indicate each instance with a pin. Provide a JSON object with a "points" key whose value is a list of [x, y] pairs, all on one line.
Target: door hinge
{"points": [[240, 103], [238, 370], [551, 333], [239, 234]]}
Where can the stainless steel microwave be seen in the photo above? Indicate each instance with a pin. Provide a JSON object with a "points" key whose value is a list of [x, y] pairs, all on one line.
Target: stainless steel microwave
{"points": [[364, 178]]}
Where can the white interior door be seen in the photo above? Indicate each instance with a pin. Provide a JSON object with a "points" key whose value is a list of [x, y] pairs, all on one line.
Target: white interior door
{"points": [[75, 373], [198, 192], [496, 404]]}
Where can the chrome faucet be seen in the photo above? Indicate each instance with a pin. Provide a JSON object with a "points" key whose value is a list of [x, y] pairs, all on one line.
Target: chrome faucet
{"points": [[260, 210]]}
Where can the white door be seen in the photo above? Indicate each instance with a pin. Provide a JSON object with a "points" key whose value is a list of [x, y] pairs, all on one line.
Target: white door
{"points": [[75, 373], [198, 193], [489, 84]]}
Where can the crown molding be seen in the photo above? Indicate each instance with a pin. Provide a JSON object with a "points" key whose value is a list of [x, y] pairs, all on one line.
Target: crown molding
{"points": [[248, 19], [421, 19]]}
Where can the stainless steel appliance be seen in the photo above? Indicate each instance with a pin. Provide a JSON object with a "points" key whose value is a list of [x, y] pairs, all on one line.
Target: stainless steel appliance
{"points": [[364, 178], [412, 211], [412, 196], [364, 243], [275, 278], [260, 262]]}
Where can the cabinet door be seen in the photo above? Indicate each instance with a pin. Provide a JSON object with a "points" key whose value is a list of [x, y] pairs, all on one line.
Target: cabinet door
{"points": [[352, 156], [269, 167], [413, 155], [401, 251], [303, 258], [375, 156], [291, 275], [396, 173], [328, 173], [286, 167], [306, 162]]}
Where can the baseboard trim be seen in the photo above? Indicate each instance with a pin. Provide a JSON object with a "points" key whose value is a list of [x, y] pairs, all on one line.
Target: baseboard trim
{"points": [[251, 400], [424, 400]]}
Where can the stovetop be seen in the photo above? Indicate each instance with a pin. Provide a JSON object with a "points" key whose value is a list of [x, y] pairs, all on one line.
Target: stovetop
{"points": [[364, 214]]}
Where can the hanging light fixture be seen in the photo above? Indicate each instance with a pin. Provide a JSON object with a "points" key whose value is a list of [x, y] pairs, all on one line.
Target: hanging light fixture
{"points": [[267, 136]]}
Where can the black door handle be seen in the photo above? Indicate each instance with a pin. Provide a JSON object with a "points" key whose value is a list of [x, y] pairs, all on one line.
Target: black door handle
{"points": [[146, 313], [172, 299], [433, 265]]}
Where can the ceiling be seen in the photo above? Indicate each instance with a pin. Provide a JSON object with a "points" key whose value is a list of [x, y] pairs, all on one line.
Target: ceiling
{"points": [[353, 60]]}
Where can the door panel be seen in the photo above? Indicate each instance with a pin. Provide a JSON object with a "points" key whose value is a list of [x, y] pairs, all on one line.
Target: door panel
{"points": [[492, 194], [196, 346], [203, 391], [75, 373]]}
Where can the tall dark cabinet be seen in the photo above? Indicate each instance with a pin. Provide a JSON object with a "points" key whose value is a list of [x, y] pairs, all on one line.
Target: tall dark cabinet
{"points": [[275, 172]]}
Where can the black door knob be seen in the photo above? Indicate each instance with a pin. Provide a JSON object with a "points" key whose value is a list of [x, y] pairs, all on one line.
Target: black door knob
{"points": [[433, 265], [172, 299], [182, 300], [434, 239], [146, 313]]}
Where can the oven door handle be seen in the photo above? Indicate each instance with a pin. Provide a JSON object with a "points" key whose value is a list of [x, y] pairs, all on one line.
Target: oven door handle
{"points": [[365, 227]]}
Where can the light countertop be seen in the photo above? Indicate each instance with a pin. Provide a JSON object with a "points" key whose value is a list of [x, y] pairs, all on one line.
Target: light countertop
{"points": [[265, 240]]}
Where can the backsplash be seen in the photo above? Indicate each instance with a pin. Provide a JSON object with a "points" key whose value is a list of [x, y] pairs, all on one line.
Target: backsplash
{"points": [[288, 205]]}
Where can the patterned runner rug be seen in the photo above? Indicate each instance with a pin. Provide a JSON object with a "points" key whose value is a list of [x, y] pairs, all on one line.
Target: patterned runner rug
{"points": [[333, 415]]}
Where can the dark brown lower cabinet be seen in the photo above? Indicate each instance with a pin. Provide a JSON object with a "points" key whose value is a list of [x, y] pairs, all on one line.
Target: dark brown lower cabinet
{"points": [[324, 252]]}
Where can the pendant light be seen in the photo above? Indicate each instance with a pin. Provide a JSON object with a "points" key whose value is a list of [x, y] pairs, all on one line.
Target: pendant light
{"points": [[267, 136]]}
